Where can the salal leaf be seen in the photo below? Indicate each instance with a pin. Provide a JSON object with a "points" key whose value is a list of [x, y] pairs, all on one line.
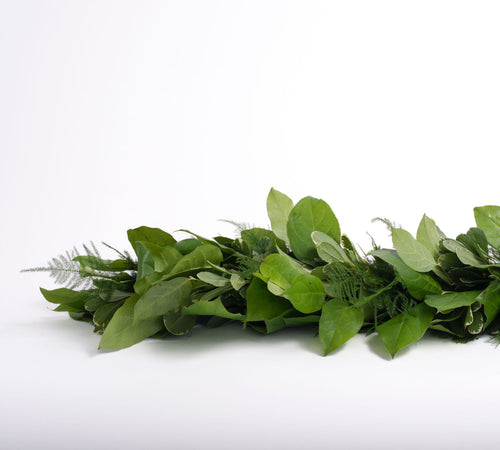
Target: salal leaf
{"points": [[467, 257], [490, 298], [280, 270], [339, 322], [198, 258], [212, 308], [405, 328], [164, 257], [213, 279], [451, 300], [104, 313], [308, 215], [411, 251], [152, 235], [163, 297], [68, 297], [262, 304], [418, 284], [279, 207], [428, 235], [306, 294], [488, 219], [328, 249], [145, 261], [187, 245], [123, 331], [177, 323]]}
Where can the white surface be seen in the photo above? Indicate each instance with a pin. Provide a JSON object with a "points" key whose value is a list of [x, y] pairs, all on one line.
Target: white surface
{"points": [[176, 114]]}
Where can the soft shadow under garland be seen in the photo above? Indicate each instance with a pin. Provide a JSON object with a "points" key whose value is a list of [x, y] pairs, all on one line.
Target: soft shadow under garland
{"points": [[303, 272]]}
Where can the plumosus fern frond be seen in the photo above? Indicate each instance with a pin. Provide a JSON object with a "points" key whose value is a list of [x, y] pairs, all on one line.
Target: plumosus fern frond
{"points": [[67, 272]]}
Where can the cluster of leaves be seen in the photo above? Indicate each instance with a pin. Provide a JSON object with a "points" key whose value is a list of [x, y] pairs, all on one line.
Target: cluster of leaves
{"points": [[302, 272]]}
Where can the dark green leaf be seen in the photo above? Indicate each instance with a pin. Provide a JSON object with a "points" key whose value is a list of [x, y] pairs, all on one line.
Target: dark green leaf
{"points": [[451, 300], [198, 258], [68, 297], [488, 219], [490, 298], [151, 235], [177, 323], [212, 308], [261, 304]]}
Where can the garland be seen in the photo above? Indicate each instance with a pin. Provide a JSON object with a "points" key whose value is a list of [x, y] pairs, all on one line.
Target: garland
{"points": [[303, 272]]}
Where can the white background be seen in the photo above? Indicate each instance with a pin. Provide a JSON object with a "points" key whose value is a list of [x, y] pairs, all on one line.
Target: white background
{"points": [[116, 114]]}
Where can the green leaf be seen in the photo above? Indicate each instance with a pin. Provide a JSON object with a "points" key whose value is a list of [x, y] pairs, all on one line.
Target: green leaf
{"points": [[490, 298], [151, 235], [339, 322], [308, 215], [163, 297], [213, 279], [237, 282], [187, 245], [94, 263], [452, 300], [279, 207], [177, 323], [198, 258], [261, 304], [104, 313], [307, 293], [488, 219], [123, 331], [68, 297], [280, 270], [405, 328], [212, 308], [328, 249], [428, 235], [412, 252], [145, 261], [418, 284], [163, 258]]}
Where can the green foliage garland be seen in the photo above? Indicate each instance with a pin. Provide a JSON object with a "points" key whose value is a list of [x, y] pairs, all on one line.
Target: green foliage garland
{"points": [[303, 272]]}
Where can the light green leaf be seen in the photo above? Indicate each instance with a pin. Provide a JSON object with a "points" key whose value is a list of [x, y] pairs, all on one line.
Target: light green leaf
{"points": [[339, 322], [418, 284], [308, 215], [490, 298], [198, 258], [278, 210], [123, 331], [428, 235], [306, 293], [328, 249], [187, 245], [412, 252], [467, 257], [405, 328], [280, 270], [212, 308], [162, 298], [261, 304], [452, 300], [152, 235], [488, 219], [237, 282], [213, 279]]}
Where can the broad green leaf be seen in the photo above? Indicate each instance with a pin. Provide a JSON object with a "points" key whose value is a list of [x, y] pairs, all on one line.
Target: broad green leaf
{"points": [[280, 270], [280, 322], [145, 261], [488, 219], [339, 322], [123, 331], [307, 293], [163, 297], [261, 304], [213, 279], [490, 298], [428, 235], [328, 249], [279, 207], [308, 215], [212, 308], [164, 257], [68, 297], [418, 284], [405, 328], [177, 323], [152, 235], [452, 300], [412, 252], [467, 257], [198, 258], [187, 245], [237, 282]]}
